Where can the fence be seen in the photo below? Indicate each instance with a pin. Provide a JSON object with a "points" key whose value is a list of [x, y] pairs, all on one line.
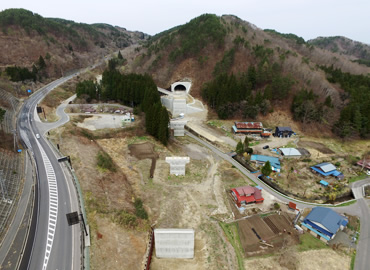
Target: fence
{"points": [[149, 250], [11, 167]]}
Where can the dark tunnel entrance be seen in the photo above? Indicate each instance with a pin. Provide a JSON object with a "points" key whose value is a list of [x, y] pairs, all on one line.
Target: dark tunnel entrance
{"points": [[180, 87]]}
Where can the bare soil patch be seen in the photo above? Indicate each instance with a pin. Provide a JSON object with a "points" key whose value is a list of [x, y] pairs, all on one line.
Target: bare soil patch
{"points": [[144, 151], [323, 259], [315, 145], [275, 229]]}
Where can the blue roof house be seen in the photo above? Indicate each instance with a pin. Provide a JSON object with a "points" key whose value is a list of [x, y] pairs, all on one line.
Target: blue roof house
{"points": [[324, 223], [261, 160], [327, 169]]}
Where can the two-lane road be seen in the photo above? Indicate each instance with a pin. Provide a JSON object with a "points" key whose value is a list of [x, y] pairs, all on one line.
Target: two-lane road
{"points": [[54, 244]]}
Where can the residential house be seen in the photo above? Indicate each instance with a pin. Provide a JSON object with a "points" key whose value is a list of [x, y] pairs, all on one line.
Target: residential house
{"points": [[283, 132], [324, 223], [246, 195], [327, 169], [261, 160]]}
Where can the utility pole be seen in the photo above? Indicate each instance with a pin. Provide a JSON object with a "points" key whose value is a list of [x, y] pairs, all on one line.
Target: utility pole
{"points": [[83, 221], [14, 138]]}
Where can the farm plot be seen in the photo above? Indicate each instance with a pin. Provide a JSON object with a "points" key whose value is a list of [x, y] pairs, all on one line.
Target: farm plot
{"points": [[275, 229]]}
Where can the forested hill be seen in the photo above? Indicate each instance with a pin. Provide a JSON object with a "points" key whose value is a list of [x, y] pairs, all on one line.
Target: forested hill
{"points": [[243, 72], [63, 44], [358, 51]]}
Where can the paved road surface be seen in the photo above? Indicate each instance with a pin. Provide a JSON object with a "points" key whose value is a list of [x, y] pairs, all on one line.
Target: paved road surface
{"points": [[55, 244]]}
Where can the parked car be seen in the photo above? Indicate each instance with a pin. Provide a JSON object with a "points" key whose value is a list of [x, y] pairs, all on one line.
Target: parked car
{"points": [[265, 147]]}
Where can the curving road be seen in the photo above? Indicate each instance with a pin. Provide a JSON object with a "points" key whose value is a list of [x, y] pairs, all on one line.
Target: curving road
{"points": [[360, 208], [53, 245]]}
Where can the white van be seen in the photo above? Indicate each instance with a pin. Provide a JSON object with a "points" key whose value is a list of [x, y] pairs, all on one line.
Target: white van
{"points": [[38, 136]]}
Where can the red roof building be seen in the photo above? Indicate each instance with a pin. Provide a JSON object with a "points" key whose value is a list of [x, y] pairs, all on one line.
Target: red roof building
{"points": [[246, 195], [364, 163], [248, 127]]}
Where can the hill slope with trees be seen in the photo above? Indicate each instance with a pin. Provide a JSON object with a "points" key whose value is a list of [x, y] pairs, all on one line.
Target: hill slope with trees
{"points": [[244, 72], [357, 51], [64, 45]]}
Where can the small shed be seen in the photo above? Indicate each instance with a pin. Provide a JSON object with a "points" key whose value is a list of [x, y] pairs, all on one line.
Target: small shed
{"points": [[324, 183], [292, 205]]}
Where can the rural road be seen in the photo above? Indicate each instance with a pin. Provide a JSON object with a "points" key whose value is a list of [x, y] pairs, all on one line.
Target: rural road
{"points": [[360, 208]]}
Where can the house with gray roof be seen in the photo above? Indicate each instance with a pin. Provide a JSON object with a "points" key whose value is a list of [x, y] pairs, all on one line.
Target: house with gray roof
{"points": [[324, 223], [327, 169]]}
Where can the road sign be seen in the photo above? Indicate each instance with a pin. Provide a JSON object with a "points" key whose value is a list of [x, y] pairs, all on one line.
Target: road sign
{"points": [[72, 218], [29, 91], [62, 159], [19, 150]]}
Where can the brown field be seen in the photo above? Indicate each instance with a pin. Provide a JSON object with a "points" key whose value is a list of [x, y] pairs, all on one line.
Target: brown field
{"points": [[318, 146], [275, 229]]}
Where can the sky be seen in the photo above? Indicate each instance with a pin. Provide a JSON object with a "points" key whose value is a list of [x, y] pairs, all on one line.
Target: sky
{"points": [[306, 18]]}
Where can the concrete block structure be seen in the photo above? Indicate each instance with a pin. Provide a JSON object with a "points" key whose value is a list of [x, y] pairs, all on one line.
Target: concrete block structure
{"points": [[177, 164], [174, 243], [178, 127], [175, 105]]}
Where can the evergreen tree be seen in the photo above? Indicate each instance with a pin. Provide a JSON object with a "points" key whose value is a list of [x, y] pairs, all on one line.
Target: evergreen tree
{"points": [[239, 148], [266, 169], [119, 56], [246, 142], [2, 114], [41, 62], [163, 134]]}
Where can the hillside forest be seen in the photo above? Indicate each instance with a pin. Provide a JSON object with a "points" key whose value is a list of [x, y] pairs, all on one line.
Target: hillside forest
{"points": [[242, 72]]}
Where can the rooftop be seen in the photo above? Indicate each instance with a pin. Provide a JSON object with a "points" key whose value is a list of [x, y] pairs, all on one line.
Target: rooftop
{"points": [[290, 152], [284, 129], [274, 161], [256, 125], [330, 219], [326, 167]]}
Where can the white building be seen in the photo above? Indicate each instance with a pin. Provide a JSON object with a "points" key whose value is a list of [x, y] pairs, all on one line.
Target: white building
{"points": [[174, 243]]}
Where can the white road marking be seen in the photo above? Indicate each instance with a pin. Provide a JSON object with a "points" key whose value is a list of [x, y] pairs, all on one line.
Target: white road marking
{"points": [[53, 205]]}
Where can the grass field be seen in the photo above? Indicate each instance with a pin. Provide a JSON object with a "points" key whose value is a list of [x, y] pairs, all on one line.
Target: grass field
{"points": [[309, 242]]}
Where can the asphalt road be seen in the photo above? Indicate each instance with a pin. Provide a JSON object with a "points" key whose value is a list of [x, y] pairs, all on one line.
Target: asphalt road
{"points": [[55, 245], [360, 208]]}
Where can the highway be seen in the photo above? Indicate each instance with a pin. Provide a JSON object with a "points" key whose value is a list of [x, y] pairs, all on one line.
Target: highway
{"points": [[360, 208], [53, 244]]}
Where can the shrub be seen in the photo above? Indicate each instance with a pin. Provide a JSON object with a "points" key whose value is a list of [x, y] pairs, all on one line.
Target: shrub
{"points": [[105, 162], [125, 219], [139, 209]]}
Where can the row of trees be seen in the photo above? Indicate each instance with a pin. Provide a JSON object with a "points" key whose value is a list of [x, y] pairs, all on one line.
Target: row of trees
{"points": [[134, 90], [354, 118]]}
